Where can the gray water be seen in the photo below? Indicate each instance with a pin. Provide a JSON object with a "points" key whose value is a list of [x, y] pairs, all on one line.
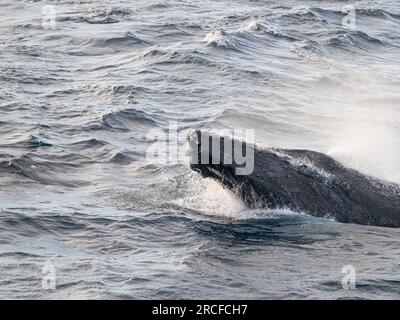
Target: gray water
{"points": [[83, 214]]}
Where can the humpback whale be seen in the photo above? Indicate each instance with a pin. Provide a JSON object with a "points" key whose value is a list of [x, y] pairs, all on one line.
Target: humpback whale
{"points": [[300, 180]]}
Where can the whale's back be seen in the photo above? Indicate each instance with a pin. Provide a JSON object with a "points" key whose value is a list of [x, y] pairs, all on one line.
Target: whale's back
{"points": [[309, 182]]}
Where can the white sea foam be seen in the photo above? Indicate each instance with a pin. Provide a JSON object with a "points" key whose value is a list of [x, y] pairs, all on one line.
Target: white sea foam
{"points": [[209, 197], [251, 25], [218, 39]]}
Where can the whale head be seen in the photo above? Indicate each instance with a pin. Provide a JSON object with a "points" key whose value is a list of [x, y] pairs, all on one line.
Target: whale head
{"points": [[228, 160]]}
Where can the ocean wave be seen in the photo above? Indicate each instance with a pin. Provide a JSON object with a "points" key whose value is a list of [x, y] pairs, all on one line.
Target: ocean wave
{"points": [[172, 30], [108, 93], [47, 223], [28, 75], [29, 142], [122, 158], [106, 16], [105, 45], [35, 142], [129, 38], [304, 47], [252, 25], [154, 56], [220, 39], [89, 143], [124, 120], [158, 5], [275, 32], [259, 230], [248, 38], [100, 151], [48, 170], [328, 16], [303, 14], [375, 12], [352, 39], [339, 40]]}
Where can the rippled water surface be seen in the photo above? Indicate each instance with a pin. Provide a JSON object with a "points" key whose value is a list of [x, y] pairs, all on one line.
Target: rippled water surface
{"points": [[78, 197]]}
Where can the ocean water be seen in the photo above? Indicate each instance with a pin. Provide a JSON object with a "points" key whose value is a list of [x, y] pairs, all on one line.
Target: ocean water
{"points": [[84, 214]]}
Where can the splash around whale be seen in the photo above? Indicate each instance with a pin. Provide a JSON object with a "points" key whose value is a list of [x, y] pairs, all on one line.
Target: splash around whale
{"points": [[300, 180]]}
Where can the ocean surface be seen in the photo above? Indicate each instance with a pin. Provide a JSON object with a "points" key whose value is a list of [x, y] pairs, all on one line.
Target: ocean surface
{"points": [[84, 214]]}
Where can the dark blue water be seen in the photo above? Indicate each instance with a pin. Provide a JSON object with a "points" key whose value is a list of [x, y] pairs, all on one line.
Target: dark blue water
{"points": [[80, 202]]}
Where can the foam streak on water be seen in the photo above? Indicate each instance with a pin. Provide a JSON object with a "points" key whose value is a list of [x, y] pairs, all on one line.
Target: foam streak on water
{"points": [[77, 101]]}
